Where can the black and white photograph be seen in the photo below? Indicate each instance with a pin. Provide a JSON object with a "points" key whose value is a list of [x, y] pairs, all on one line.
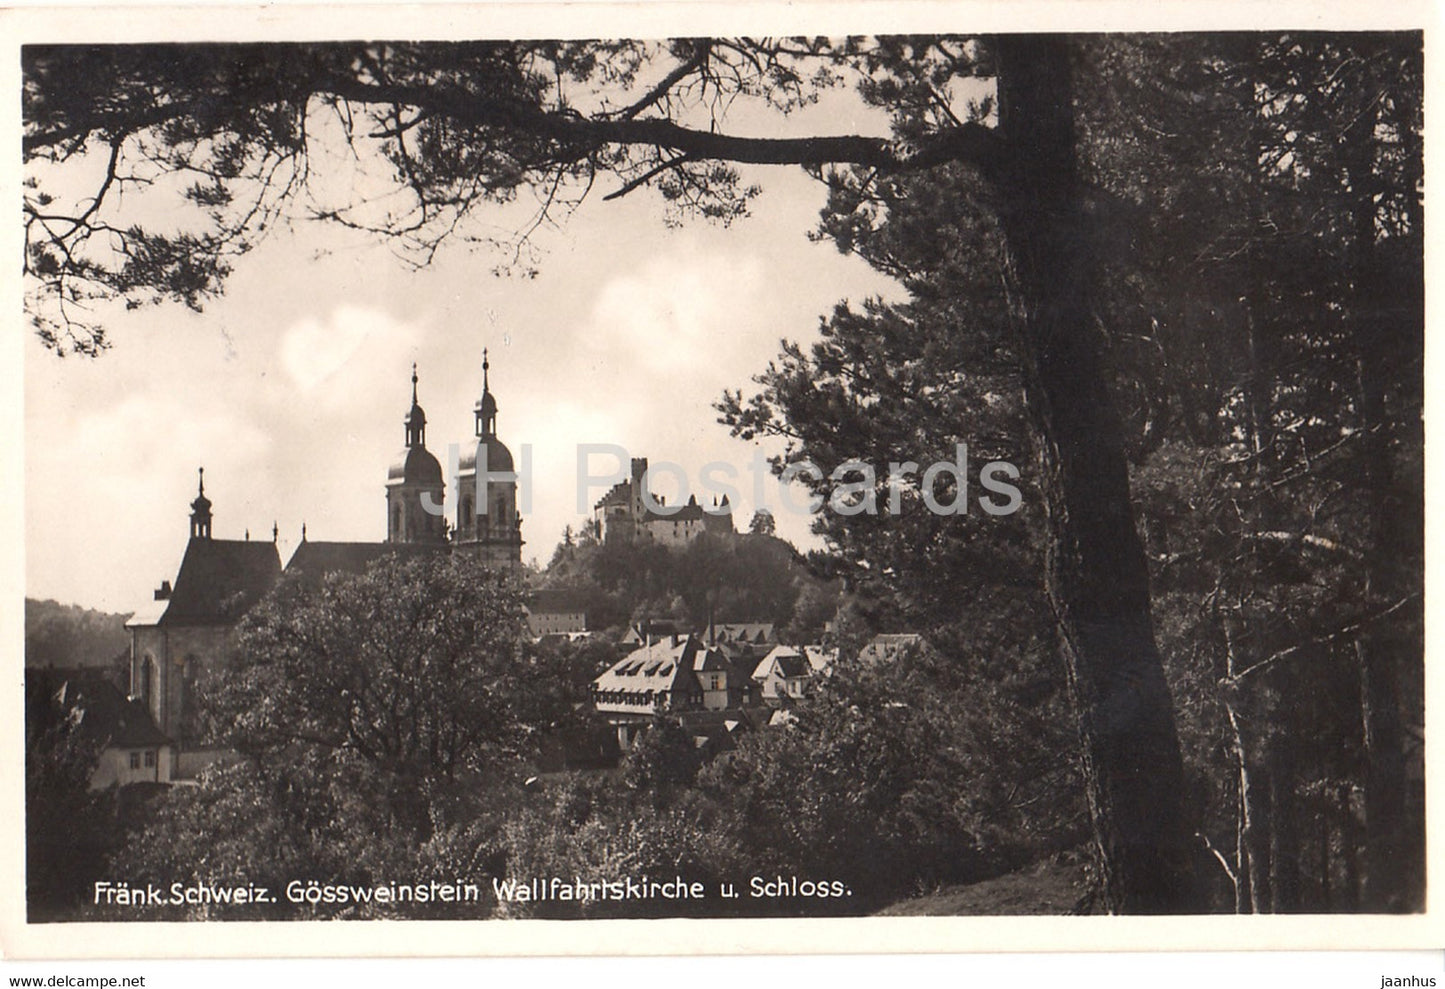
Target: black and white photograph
{"points": [[550, 475]]}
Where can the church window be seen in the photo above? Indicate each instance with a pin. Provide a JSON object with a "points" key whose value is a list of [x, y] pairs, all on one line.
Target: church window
{"points": [[147, 685], [188, 713]]}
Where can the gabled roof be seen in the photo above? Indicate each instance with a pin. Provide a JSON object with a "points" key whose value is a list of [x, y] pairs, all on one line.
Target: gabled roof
{"points": [[793, 666], [314, 560], [219, 581], [103, 713], [819, 658], [665, 666], [785, 661], [756, 632]]}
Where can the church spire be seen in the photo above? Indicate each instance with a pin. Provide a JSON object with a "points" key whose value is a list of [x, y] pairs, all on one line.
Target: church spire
{"points": [[415, 418], [486, 409], [201, 509]]}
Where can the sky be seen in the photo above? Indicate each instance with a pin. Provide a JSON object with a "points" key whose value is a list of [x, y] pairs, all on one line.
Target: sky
{"points": [[291, 389]]}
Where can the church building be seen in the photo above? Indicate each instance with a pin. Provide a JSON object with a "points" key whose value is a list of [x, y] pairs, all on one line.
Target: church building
{"points": [[188, 627]]}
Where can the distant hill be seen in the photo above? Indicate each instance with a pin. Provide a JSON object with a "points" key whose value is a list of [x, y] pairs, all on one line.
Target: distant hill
{"points": [[68, 635]]}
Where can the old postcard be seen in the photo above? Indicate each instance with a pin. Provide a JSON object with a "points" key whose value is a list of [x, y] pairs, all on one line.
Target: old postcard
{"points": [[588, 480]]}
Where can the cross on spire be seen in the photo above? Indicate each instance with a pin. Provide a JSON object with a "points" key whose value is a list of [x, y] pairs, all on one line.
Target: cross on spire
{"points": [[486, 409]]}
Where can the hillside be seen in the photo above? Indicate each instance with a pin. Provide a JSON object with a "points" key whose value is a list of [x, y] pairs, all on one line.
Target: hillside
{"points": [[752, 577], [69, 635], [1053, 887]]}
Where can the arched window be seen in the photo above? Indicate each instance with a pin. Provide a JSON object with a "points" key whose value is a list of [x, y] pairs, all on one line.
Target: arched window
{"points": [[147, 685], [188, 714], [396, 522]]}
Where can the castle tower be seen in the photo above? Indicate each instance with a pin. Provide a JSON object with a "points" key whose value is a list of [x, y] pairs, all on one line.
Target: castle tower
{"points": [[487, 523], [414, 485]]}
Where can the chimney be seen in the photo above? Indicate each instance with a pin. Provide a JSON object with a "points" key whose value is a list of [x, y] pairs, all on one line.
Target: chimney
{"points": [[163, 593]]}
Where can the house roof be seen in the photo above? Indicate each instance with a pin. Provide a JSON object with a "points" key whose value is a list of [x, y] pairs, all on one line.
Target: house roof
{"points": [[721, 728], [149, 613], [663, 666], [785, 661], [556, 600], [756, 632], [219, 581], [819, 658], [793, 666], [106, 715], [316, 559], [658, 627]]}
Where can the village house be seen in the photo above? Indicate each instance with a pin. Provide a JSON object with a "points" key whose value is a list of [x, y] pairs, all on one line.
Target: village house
{"points": [[674, 675], [556, 611], [788, 673], [132, 749]]}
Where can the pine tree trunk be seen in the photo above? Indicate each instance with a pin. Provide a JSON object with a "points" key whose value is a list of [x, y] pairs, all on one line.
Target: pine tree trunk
{"points": [[1387, 855], [1284, 850], [1098, 578]]}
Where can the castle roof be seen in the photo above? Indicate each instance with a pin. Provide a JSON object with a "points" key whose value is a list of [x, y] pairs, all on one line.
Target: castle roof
{"points": [[691, 512], [621, 494]]}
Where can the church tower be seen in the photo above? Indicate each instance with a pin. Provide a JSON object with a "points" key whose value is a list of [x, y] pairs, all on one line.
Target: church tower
{"points": [[414, 485], [487, 523], [201, 509]]}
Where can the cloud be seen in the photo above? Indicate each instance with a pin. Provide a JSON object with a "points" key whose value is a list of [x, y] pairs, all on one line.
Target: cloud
{"points": [[107, 493], [336, 360], [673, 309]]}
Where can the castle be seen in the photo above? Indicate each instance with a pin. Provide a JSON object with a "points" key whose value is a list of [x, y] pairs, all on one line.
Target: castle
{"points": [[186, 628], [626, 513]]}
